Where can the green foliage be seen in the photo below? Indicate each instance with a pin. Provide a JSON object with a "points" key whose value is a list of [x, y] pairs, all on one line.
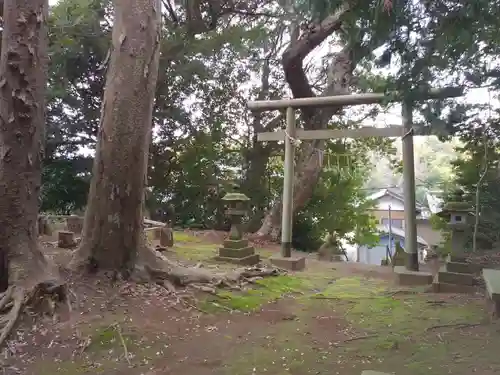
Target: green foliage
{"points": [[204, 137], [476, 171], [338, 206], [63, 189], [306, 234]]}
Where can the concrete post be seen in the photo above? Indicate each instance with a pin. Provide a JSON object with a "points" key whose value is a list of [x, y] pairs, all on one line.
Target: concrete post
{"points": [[287, 209]]}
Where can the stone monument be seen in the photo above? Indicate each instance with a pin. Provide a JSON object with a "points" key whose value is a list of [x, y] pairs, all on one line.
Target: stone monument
{"points": [[74, 224], [236, 249], [457, 275], [457, 214]]}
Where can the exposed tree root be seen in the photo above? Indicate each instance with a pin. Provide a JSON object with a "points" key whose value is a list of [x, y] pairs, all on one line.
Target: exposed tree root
{"points": [[18, 297], [11, 318], [5, 300], [153, 266]]}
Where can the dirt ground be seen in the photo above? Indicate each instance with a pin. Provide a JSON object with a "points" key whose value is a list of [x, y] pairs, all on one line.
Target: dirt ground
{"points": [[333, 318]]}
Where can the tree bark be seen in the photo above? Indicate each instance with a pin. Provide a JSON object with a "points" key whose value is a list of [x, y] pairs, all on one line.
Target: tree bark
{"points": [[113, 228], [23, 77]]}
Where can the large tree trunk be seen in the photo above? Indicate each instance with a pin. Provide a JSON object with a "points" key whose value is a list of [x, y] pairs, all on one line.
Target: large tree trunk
{"points": [[340, 70], [23, 70], [23, 78], [113, 228]]}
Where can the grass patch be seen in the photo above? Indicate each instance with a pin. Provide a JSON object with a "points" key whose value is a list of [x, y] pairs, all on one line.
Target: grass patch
{"points": [[185, 237], [196, 253], [266, 290]]}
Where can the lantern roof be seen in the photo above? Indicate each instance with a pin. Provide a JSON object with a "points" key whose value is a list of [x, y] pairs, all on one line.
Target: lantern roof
{"points": [[455, 207], [235, 197]]}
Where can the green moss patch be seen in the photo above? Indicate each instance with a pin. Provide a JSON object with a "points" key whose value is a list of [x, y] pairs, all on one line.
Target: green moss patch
{"points": [[391, 331], [265, 290]]}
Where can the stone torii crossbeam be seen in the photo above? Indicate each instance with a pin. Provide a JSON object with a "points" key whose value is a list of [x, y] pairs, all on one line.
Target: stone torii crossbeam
{"points": [[292, 133]]}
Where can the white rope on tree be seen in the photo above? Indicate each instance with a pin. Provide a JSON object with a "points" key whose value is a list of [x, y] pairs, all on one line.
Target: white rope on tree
{"points": [[346, 170]]}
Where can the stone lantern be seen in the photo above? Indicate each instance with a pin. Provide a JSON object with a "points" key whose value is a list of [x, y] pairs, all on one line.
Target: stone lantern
{"points": [[236, 249], [236, 209], [457, 215]]}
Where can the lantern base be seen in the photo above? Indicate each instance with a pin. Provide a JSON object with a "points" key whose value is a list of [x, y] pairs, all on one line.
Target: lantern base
{"points": [[245, 261], [228, 252], [238, 252]]}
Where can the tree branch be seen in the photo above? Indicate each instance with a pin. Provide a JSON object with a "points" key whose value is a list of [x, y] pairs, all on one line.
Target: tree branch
{"points": [[295, 54]]}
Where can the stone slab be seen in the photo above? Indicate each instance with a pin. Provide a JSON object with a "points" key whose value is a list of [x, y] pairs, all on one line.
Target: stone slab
{"points": [[235, 244], [291, 263], [246, 261], [455, 278], [459, 267], [439, 287], [456, 258], [492, 280], [236, 253], [405, 277]]}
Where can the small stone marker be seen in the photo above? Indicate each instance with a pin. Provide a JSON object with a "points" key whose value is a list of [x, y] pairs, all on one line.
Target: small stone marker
{"points": [[166, 236], [43, 226], [66, 240], [74, 224]]}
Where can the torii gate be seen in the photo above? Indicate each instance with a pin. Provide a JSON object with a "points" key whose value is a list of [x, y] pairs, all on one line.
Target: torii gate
{"points": [[405, 132]]}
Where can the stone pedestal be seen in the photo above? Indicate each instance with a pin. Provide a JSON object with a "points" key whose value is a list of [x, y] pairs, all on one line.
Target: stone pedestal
{"points": [[289, 263], [66, 240], [238, 252], [405, 277], [456, 276]]}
